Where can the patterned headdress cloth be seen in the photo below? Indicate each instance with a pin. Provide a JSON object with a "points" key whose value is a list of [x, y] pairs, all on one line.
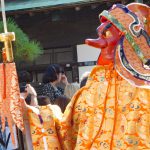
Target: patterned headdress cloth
{"points": [[132, 56]]}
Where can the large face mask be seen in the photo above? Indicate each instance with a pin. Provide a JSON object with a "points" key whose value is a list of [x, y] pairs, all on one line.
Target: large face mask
{"points": [[108, 37], [123, 36]]}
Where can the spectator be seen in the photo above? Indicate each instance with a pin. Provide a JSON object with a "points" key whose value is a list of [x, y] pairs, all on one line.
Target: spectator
{"points": [[29, 94], [45, 101], [62, 102], [52, 76], [24, 78], [71, 89]]}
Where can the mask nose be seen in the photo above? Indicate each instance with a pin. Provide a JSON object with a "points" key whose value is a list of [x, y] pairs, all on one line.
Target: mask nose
{"points": [[98, 43]]}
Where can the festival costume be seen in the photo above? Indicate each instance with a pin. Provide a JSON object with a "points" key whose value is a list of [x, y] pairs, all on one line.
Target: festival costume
{"points": [[42, 125], [10, 102], [107, 113], [113, 110]]}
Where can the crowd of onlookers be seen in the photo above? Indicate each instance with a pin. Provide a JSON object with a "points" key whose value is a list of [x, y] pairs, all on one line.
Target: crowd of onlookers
{"points": [[52, 77]]}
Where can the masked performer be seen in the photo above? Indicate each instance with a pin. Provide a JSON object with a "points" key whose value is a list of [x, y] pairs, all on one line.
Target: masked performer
{"points": [[113, 110]]}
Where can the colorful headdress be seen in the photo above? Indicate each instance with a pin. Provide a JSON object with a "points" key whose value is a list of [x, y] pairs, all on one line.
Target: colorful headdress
{"points": [[132, 57]]}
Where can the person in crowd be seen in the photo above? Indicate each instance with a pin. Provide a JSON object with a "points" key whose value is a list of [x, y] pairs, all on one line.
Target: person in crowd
{"points": [[29, 89], [43, 100], [84, 79], [24, 78], [53, 75], [71, 89], [62, 102], [56, 109]]}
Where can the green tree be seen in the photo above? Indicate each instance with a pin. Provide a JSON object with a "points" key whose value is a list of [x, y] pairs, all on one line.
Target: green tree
{"points": [[23, 48]]}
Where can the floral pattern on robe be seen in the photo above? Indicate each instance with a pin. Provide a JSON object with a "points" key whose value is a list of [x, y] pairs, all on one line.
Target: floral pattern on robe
{"points": [[108, 113], [44, 136]]}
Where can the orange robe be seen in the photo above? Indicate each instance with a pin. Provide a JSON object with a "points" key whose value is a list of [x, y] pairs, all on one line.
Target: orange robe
{"points": [[108, 113], [44, 136], [10, 102]]}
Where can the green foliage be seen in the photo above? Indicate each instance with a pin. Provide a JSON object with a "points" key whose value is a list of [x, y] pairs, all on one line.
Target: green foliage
{"points": [[23, 48]]}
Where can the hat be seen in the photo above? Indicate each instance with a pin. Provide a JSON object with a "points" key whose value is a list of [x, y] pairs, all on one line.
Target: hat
{"points": [[132, 56]]}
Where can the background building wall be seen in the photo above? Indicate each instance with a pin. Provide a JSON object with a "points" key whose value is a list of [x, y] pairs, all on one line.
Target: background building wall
{"points": [[86, 54]]}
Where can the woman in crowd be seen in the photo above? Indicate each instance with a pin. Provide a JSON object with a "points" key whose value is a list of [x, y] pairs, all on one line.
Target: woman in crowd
{"points": [[52, 76]]}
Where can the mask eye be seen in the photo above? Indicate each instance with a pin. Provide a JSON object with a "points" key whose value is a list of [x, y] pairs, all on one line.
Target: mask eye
{"points": [[107, 34]]}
